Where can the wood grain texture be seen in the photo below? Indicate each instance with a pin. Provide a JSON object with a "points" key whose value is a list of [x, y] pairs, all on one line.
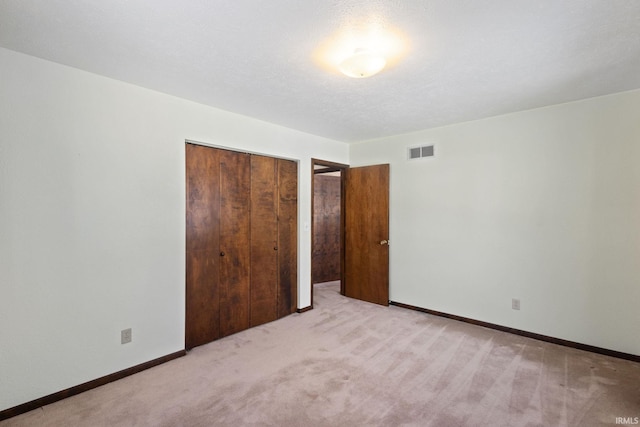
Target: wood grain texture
{"points": [[202, 322], [366, 225], [264, 240], [235, 249], [326, 228], [241, 266], [202, 170], [287, 237]]}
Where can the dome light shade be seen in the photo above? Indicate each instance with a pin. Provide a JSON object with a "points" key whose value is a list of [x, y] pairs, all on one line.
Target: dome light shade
{"points": [[363, 63]]}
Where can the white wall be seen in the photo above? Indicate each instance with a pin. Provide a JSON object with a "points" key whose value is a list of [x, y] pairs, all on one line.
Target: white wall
{"points": [[92, 219], [542, 205]]}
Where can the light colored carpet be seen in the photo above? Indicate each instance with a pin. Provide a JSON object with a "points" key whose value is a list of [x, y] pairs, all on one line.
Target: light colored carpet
{"points": [[350, 363]]}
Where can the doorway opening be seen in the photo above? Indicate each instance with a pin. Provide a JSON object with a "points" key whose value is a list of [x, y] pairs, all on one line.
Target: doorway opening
{"points": [[327, 223]]}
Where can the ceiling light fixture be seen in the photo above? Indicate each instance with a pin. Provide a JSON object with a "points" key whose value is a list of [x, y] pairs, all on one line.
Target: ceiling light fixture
{"points": [[363, 63]]}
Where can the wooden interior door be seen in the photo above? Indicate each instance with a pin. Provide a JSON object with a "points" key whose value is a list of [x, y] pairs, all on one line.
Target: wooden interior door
{"points": [[202, 243], [367, 234], [235, 253], [264, 240]]}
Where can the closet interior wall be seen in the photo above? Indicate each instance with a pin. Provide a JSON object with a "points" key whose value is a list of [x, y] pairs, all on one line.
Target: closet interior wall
{"points": [[326, 253]]}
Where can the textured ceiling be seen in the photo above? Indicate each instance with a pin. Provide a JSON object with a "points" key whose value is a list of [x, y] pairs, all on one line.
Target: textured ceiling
{"points": [[462, 59]]}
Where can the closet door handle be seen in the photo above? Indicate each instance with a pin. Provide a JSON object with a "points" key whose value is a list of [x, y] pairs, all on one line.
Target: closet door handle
{"points": [[221, 253]]}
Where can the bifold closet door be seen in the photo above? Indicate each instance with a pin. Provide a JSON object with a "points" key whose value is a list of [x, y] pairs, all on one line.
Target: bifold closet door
{"points": [[264, 240], [235, 249], [202, 245], [274, 238], [287, 237], [241, 258]]}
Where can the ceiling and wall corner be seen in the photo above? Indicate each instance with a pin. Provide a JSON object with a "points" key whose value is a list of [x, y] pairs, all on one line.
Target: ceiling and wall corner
{"points": [[461, 60]]}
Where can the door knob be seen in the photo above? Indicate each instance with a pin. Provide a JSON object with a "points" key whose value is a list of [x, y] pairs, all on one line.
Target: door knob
{"points": [[384, 242], [221, 253]]}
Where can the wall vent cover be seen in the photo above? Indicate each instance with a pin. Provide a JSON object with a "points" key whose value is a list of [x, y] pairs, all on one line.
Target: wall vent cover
{"points": [[414, 153]]}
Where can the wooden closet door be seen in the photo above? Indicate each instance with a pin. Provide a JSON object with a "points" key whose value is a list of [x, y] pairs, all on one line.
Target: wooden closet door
{"points": [[235, 254], [202, 240], [264, 240], [287, 237], [241, 267]]}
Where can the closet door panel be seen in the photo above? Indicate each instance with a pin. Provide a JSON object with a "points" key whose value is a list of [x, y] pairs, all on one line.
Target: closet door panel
{"points": [[287, 237], [202, 320], [235, 253], [203, 197], [202, 239], [264, 240]]}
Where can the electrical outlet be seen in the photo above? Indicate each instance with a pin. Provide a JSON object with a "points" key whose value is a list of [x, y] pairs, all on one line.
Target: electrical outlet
{"points": [[125, 336], [515, 303]]}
